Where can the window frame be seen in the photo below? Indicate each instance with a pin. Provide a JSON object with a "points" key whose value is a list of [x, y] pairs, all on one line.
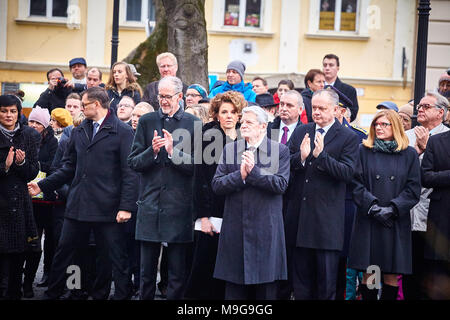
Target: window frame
{"points": [[361, 30], [132, 24], [264, 30], [24, 17], [49, 10]]}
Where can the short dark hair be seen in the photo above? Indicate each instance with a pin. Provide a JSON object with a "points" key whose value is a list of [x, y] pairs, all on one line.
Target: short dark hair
{"points": [[332, 56], [7, 100], [311, 75], [53, 70], [264, 81], [99, 94], [286, 82]]}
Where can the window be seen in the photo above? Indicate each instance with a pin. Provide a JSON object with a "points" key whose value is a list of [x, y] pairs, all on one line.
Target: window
{"points": [[139, 11], [338, 15], [243, 13], [49, 8]]}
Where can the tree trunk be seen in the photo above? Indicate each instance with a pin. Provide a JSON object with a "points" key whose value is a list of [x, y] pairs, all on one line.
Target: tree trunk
{"points": [[180, 29]]}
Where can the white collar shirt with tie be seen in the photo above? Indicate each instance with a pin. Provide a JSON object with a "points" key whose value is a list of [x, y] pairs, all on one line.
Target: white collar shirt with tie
{"points": [[99, 123], [291, 129]]}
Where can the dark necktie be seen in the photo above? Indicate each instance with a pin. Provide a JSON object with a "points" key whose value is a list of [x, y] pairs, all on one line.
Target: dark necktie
{"points": [[94, 130], [285, 135], [321, 131]]}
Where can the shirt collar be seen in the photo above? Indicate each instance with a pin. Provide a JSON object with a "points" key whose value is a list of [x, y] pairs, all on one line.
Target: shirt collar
{"points": [[257, 144], [177, 115], [291, 127], [99, 121], [326, 128], [437, 129]]}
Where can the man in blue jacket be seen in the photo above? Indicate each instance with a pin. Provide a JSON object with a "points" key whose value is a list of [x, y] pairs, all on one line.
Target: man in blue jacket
{"points": [[102, 194], [235, 82]]}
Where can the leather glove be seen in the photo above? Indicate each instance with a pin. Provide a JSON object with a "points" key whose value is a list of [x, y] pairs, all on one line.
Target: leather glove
{"points": [[383, 215]]}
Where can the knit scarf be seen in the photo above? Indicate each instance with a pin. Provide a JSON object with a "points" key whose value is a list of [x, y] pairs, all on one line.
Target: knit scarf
{"points": [[385, 146], [9, 133]]}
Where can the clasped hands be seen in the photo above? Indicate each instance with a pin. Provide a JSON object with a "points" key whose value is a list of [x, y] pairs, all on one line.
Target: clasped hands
{"points": [[247, 164], [20, 157], [166, 142], [422, 135], [305, 147], [384, 215]]}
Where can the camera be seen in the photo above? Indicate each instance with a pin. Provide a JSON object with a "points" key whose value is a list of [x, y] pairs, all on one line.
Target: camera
{"points": [[61, 82]]}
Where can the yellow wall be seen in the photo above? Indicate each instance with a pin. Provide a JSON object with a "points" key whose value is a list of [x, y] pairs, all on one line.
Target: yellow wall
{"points": [[42, 43]]}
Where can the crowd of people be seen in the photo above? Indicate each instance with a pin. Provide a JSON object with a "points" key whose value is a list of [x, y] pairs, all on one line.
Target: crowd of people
{"points": [[234, 194]]}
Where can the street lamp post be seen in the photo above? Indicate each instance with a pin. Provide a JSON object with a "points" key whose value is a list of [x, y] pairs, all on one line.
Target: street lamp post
{"points": [[115, 32], [421, 55]]}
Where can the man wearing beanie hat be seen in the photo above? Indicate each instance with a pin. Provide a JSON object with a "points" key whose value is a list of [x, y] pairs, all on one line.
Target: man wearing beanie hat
{"points": [[60, 119], [406, 112], [444, 83], [235, 82]]}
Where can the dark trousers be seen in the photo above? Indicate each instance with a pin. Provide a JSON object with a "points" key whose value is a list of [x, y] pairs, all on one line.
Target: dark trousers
{"points": [[109, 237], [176, 262], [285, 287], [413, 284], [263, 291], [315, 273], [12, 264]]}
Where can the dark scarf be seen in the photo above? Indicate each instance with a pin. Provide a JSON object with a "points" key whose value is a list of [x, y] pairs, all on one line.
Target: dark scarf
{"points": [[9, 134], [385, 146]]}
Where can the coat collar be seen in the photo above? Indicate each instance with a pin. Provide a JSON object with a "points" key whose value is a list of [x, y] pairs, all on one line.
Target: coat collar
{"points": [[178, 115], [109, 125]]}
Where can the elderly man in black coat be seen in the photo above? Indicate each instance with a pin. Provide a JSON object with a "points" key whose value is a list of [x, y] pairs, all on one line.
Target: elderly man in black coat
{"points": [[102, 194], [253, 175], [323, 157], [436, 175], [162, 152]]}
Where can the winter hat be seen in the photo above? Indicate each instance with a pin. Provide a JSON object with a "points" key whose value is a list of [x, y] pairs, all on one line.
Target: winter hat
{"points": [[444, 77], [40, 115], [200, 89], [388, 105], [238, 66], [62, 116]]}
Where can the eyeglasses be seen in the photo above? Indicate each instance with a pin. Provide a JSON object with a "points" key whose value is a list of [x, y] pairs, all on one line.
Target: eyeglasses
{"points": [[86, 104], [384, 125], [164, 66], [192, 95], [426, 106], [125, 106], [166, 97]]}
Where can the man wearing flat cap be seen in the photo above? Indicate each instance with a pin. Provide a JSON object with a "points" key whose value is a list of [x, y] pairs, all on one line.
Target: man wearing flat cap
{"points": [[235, 82], [265, 101], [78, 69]]}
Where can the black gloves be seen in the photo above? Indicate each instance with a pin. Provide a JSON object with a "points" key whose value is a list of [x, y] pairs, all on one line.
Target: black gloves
{"points": [[383, 215]]}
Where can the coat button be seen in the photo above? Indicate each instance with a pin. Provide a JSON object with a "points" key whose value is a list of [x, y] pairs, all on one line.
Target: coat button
{"points": [[392, 178], [310, 163], [84, 175], [304, 198], [306, 180], [377, 177]]}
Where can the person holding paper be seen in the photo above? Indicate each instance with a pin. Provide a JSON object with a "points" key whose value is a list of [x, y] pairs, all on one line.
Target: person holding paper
{"points": [[253, 174], [225, 109]]}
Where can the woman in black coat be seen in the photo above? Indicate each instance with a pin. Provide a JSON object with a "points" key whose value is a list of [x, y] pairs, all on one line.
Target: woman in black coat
{"points": [[39, 120], [225, 110], [122, 83], [18, 165], [387, 186]]}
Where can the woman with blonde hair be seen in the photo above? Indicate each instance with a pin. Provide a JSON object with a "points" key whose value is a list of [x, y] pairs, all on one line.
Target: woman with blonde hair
{"points": [[122, 83], [199, 111], [387, 186]]}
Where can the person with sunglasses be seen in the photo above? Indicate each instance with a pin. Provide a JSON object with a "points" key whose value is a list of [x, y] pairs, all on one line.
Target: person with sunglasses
{"points": [[386, 187]]}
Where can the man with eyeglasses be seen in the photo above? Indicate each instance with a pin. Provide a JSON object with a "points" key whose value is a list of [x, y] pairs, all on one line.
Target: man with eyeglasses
{"points": [[168, 66], [125, 109], [323, 158], [431, 112], [164, 208]]}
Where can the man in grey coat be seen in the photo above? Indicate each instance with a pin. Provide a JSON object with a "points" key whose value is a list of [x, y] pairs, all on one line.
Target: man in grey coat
{"points": [[165, 160], [253, 175]]}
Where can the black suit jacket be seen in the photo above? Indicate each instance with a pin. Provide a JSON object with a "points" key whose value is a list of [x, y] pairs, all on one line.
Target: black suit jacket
{"points": [[316, 195], [273, 128], [350, 92]]}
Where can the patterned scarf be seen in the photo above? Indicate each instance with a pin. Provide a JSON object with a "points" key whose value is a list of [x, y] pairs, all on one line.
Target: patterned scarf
{"points": [[9, 134], [385, 146]]}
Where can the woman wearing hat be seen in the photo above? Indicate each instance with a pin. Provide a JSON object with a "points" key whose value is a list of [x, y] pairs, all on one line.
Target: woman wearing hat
{"points": [[387, 187], [60, 119], [39, 120], [18, 165], [194, 94]]}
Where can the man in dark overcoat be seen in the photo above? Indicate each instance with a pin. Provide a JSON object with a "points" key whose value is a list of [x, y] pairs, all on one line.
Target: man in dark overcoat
{"points": [[436, 175], [253, 175], [323, 156], [102, 194], [162, 152]]}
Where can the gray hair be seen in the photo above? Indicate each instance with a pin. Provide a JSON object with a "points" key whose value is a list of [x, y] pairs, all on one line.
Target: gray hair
{"points": [[147, 107], [169, 55], [348, 112], [297, 95], [261, 115], [332, 96], [171, 82], [441, 101]]}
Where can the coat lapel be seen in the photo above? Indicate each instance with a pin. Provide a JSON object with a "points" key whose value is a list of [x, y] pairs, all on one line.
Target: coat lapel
{"points": [[332, 132]]}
